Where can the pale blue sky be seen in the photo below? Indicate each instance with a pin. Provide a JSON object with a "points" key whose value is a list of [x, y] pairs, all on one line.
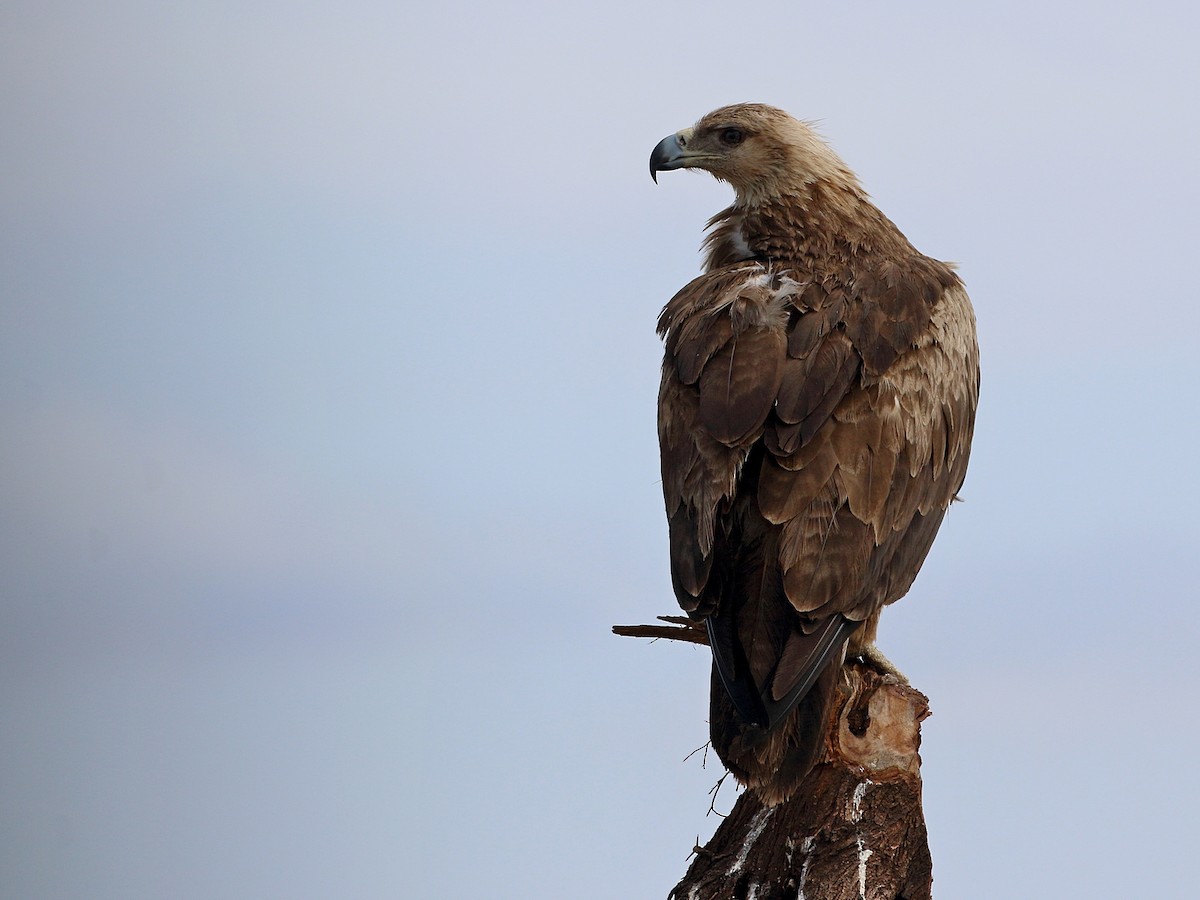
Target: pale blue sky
{"points": [[328, 372]]}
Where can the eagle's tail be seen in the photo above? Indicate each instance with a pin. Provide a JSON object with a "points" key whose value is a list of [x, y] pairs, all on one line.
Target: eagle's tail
{"points": [[771, 735]]}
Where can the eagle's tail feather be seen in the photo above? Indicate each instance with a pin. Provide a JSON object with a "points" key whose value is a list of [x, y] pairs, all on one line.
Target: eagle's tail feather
{"points": [[771, 743], [730, 664]]}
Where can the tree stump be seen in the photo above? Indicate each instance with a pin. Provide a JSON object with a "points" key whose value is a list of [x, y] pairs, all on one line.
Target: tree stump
{"points": [[854, 830]]}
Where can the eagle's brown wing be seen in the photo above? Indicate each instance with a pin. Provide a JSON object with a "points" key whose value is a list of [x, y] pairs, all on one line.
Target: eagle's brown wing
{"points": [[813, 432]]}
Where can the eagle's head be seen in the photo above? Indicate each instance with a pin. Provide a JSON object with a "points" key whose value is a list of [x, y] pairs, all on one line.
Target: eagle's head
{"points": [[761, 151]]}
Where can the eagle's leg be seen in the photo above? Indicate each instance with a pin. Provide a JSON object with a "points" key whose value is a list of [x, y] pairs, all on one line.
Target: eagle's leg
{"points": [[873, 656], [862, 645]]}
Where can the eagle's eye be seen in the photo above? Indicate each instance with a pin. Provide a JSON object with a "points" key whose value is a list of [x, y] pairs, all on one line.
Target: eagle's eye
{"points": [[731, 137]]}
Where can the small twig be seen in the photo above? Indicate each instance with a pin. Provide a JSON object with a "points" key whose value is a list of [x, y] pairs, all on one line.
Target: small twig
{"points": [[713, 792]]}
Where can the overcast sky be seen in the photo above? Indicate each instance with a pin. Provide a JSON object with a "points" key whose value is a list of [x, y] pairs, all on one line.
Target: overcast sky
{"points": [[328, 457]]}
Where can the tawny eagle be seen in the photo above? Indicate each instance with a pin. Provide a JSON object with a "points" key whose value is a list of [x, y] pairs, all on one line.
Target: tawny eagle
{"points": [[815, 416]]}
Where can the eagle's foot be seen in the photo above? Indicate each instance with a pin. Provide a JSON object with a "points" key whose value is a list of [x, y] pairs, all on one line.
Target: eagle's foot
{"points": [[874, 657]]}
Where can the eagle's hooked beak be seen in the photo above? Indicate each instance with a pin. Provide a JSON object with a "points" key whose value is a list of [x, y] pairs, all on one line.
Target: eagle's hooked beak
{"points": [[671, 153]]}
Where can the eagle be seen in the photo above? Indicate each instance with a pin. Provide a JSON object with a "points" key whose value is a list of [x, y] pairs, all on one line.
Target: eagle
{"points": [[815, 416]]}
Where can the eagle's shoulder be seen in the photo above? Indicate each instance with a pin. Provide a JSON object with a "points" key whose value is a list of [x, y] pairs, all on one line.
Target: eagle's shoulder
{"points": [[892, 298]]}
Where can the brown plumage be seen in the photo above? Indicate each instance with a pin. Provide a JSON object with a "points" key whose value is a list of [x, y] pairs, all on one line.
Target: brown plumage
{"points": [[815, 417]]}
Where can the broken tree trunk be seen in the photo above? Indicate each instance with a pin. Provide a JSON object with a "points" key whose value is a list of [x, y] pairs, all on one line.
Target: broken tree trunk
{"points": [[854, 830]]}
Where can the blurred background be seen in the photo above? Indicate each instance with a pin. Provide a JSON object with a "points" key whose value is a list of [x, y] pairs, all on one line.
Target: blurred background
{"points": [[328, 456]]}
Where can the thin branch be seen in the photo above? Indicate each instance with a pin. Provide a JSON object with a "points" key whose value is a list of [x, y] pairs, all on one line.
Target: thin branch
{"points": [[679, 628]]}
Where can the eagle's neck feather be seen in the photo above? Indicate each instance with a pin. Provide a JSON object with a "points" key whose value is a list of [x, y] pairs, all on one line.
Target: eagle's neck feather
{"points": [[815, 226]]}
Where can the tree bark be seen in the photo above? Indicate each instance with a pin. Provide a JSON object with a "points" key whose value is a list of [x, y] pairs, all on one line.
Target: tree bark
{"points": [[854, 830]]}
